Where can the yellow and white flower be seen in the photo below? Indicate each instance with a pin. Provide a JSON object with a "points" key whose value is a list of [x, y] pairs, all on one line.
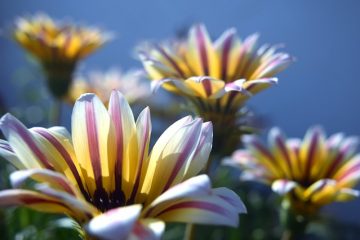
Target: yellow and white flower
{"points": [[131, 84], [310, 173], [57, 46], [219, 74], [103, 176]]}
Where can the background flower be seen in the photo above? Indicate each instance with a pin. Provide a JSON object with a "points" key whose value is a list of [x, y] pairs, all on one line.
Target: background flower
{"points": [[310, 173], [57, 46], [131, 84]]}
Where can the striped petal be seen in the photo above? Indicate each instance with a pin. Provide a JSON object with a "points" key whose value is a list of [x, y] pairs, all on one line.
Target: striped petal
{"points": [[203, 86], [54, 179], [277, 144], [201, 55], [223, 46], [171, 157], [82, 209], [23, 143], [115, 224], [143, 129], [38, 201], [93, 141], [262, 155], [320, 192], [312, 153], [349, 174], [59, 151], [8, 154], [126, 145], [235, 88], [242, 58], [193, 201], [255, 86], [202, 151]]}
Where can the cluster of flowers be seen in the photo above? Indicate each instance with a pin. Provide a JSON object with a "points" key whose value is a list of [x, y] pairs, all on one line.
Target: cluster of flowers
{"points": [[103, 174]]}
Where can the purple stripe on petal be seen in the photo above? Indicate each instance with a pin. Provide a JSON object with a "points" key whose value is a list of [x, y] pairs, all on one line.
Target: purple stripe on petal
{"points": [[91, 129], [144, 137], [115, 114], [284, 152], [6, 147], [181, 160], [225, 56], [65, 155], [207, 206], [263, 150], [206, 82], [171, 60], [27, 138], [311, 154], [201, 44], [339, 158]]}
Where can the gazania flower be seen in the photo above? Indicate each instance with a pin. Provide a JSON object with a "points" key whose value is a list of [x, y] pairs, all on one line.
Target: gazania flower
{"points": [[131, 84], [103, 176], [57, 46], [310, 173], [216, 76]]}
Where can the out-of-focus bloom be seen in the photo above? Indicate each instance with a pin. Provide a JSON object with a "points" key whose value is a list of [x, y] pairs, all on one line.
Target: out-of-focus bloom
{"points": [[310, 173], [131, 84], [104, 177], [217, 77], [57, 46]]}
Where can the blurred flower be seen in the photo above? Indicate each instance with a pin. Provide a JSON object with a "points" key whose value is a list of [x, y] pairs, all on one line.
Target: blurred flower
{"points": [[57, 46], [104, 178], [131, 84], [309, 173], [217, 77]]}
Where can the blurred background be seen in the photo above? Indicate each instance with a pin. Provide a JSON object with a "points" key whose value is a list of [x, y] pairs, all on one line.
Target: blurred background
{"points": [[321, 87]]}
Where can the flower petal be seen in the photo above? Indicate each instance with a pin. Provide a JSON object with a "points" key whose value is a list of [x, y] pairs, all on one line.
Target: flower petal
{"points": [[60, 153], [201, 55], [115, 224], [320, 192], [143, 125], [23, 143], [171, 158], [202, 152], [283, 186], [312, 153], [148, 229], [8, 154], [93, 142], [193, 201], [126, 146], [255, 86], [54, 179], [37, 201]]}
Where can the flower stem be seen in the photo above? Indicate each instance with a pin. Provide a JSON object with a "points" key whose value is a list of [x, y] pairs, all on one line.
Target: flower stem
{"points": [[55, 113], [294, 224], [189, 232]]}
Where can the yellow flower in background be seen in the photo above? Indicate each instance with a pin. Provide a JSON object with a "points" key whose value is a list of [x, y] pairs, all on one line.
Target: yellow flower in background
{"points": [[104, 177], [57, 46], [131, 84], [310, 173], [221, 74], [218, 77]]}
